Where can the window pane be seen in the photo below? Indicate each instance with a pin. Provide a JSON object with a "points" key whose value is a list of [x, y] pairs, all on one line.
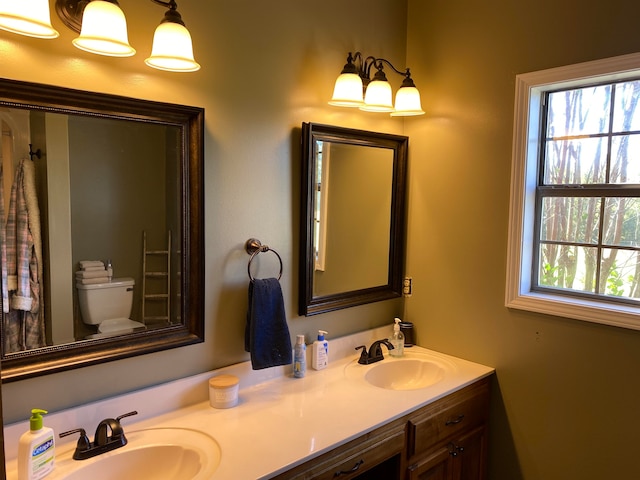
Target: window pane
{"points": [[622, 222], [625, 159], [567, 267], [620, 272], [570, 219], [583, 111], [575, 161], [626, 116]]}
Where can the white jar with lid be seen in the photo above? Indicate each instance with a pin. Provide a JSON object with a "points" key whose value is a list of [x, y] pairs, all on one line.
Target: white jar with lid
{"points": [[223, 391]]}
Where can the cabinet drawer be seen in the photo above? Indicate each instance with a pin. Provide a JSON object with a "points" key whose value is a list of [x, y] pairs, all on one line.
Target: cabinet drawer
{"points": [[359, 460], [347, 463], [462, 410]]}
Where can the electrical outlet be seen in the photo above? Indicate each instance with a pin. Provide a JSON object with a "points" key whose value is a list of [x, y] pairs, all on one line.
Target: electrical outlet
{"points": [[407, 286]]}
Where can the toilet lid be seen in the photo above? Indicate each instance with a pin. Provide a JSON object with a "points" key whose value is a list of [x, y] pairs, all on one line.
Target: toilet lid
{"points": [[118, 324]]}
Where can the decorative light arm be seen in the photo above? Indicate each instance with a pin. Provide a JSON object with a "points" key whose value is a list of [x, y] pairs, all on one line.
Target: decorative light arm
{"points": [[172, 14]]}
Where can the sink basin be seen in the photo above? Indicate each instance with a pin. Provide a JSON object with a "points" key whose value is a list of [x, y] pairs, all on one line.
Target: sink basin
{"points": [[160, 453], [405, 374], [411, 372]]}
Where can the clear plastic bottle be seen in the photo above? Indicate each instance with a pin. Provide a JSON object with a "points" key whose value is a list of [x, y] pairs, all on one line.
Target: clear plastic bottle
{"points": [[300, 357], [397, 340]]}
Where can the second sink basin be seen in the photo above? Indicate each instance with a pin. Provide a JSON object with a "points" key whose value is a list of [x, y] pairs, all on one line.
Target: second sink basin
{"points": [[160, 454], [413, 371], [405, 374]]}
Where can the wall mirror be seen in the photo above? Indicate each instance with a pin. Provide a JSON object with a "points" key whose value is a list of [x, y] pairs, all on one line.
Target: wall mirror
{"points": [[102, 232], [353, 217]]}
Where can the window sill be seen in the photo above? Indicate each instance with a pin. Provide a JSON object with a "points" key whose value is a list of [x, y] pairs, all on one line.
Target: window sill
{"points": [[589, 311]]}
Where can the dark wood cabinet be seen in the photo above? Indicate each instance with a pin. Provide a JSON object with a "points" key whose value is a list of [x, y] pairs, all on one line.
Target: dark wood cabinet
{"points": [[448, 439]]}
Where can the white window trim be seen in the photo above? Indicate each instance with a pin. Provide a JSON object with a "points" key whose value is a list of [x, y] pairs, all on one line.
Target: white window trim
{"points": [[530, 88]]}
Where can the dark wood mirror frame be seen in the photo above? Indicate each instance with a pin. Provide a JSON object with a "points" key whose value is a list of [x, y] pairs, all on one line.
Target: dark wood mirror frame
{"points": [[308, 303], [190, 121]]}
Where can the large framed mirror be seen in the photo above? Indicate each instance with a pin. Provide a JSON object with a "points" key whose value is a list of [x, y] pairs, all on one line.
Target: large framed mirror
{"points": [[102, 227], [352, 218]]}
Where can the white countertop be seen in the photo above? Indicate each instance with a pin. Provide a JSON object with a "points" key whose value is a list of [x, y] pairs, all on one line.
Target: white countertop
{"points": [[279, 422]]}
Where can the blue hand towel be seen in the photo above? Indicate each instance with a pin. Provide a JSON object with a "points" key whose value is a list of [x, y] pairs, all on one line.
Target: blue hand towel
{"points": [[266, 334]]}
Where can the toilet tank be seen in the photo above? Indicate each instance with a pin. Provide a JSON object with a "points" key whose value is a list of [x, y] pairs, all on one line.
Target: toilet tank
{"points": [[104, 301]]}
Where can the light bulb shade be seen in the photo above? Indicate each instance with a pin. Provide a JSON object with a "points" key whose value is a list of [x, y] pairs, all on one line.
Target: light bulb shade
{"points": [[378, 97], [104, 30], [347, 91], [27, 17], [172, 49], [407, 103]]}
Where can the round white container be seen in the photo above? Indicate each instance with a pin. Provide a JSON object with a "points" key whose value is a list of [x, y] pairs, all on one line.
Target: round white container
{"points": [[223, 391]]}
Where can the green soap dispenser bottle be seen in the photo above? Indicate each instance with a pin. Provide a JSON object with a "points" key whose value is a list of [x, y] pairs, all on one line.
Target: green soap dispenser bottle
{"points": [[397, 340], [36, 449]]}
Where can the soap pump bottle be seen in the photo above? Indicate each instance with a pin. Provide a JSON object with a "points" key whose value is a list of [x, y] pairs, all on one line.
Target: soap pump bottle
{"points": [[397, 340], [36, 449], [320, 352], [299, 357]]}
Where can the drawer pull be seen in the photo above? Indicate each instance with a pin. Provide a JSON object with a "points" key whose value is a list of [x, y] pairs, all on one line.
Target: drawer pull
{"points": [[457, 420], [355, 468]]}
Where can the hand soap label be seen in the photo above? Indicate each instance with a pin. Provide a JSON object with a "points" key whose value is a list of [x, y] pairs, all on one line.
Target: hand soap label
{"points": [[42, 458]]}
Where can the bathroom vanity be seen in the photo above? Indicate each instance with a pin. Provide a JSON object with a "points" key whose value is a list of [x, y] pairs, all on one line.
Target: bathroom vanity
{"points": [[423, 416], [444, 440]]}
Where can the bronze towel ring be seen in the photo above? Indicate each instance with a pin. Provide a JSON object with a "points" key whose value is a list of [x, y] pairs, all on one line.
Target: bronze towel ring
{"points": [[253, 247]]}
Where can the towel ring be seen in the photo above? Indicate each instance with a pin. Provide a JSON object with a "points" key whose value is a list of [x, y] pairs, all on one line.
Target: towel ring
{"points": [[253, 246]]}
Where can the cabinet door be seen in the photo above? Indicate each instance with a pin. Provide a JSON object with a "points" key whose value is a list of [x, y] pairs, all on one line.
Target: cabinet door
{"points": [[437, 466], [470, 460]]}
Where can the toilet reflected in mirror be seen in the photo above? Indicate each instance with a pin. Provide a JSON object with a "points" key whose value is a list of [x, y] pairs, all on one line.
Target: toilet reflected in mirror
{"points": [[107, 306]]}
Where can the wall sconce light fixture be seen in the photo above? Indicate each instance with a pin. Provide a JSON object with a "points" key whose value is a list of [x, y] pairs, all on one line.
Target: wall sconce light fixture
{"points": [[103, 29], [355, 88]]}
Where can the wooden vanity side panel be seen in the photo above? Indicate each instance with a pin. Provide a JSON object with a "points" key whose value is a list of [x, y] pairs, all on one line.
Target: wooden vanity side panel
{"points": [[447, 417]]}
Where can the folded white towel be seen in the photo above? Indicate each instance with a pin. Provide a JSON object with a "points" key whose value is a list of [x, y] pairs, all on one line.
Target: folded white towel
{"points": [[93, 269], [91, 263], [93, 281], [93, 274]]}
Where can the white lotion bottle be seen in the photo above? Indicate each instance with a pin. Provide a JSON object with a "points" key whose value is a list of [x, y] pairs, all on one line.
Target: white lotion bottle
{"points": [[320, 358], [36, 449], [397, 340], [299, 357]]}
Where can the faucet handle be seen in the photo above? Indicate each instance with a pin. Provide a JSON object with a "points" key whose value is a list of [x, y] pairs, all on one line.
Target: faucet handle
{"points": [[83, 445], [364, 356], [126, 415]]}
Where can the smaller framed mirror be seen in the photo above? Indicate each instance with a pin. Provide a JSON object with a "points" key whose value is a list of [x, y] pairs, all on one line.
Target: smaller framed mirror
{"points": [[352, 217]]}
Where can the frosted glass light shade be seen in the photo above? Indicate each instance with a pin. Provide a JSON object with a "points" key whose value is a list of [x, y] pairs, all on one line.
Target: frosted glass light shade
{"points": [[27, 17], [347, 91], [378, 97], [172, 49], [104, 30], [407, 103]]}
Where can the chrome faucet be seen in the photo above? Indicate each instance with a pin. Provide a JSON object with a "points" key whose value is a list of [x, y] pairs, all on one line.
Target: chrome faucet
{"points": [[375, 352], [103, 441]]}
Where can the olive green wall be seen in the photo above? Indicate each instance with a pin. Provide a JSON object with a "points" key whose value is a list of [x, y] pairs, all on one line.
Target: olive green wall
{"points": [[267, 67], [567, 396]]}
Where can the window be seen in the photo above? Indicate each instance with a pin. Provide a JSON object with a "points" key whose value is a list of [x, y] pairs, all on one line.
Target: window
{"points": [[574, 234]]}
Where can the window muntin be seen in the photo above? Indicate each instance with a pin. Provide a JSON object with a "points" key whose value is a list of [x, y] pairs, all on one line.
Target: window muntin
{"points": [[587, 213]]}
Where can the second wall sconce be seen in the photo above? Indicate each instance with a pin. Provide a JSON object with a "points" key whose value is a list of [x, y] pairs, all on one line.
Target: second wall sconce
{"points": [[103, 29], [355, 88]]}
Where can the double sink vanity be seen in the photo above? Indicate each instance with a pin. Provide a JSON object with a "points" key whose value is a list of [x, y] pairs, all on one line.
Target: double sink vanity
{"points": [[411, 417]]}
